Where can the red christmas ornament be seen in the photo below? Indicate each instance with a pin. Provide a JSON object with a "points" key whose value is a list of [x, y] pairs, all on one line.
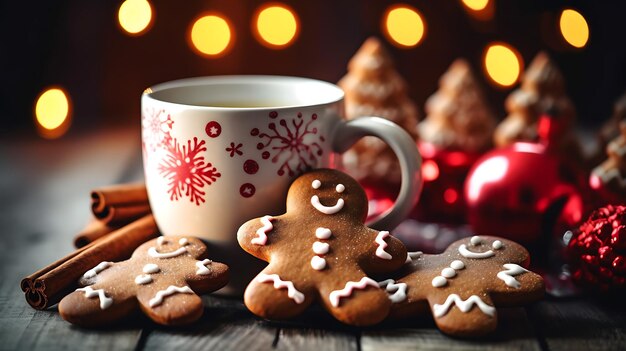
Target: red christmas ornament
{"points": [[444, 172], [524, 191], [598, 252]]}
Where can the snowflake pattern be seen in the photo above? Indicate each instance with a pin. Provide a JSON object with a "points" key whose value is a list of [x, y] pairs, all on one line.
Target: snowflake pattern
{"points": [[157, 127], [186, 171], [234, 149], [285, 143]]}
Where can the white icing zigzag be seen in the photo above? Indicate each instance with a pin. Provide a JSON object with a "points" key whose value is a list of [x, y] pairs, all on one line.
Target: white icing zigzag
{"points": [[105, 302], [380, 240], [171, 290], [511, 270], [398, 290], [329, 210], [336, 295], [464, 306], [97, 269], [292, 292], [261, 233]]}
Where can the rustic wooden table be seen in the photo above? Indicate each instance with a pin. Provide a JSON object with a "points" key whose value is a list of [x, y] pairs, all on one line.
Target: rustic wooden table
{"points": [[44, 187]]}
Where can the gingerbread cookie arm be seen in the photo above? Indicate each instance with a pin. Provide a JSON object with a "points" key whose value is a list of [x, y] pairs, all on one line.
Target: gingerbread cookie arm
{"points": [[515, 285], [255, 235], [208, 275], [458, 315], [384, 253], [273, 295]]}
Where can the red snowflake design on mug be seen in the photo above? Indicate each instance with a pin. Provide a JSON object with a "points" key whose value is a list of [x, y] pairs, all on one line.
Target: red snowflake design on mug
{"points": [[186, 170], [156, 126], [285, 143]]}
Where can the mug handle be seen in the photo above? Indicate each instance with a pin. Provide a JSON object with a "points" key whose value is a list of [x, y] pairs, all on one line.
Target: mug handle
{"points": [[347, 133]]}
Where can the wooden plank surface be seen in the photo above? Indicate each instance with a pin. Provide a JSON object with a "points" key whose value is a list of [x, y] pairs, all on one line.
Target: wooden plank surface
{"points": [[514, 332], [45, 201], [225, 325], [589, 323]]}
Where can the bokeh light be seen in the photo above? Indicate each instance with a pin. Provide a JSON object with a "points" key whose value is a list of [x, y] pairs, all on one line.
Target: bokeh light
{"points": [[135, 16], [476, 5], [482, 10], [403, 26], [52, 112], [276, 25], [574, 28], [450, 195], [503, 64], [430, 170], [210, 35]]}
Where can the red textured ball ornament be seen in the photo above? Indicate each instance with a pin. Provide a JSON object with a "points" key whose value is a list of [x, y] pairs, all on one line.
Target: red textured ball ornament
{"points": [[598, 252], [522, 192]]}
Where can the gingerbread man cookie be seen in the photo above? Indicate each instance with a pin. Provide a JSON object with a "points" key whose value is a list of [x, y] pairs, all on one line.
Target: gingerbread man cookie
{"points": [[162, 277], [320, 249], [464, 285]]}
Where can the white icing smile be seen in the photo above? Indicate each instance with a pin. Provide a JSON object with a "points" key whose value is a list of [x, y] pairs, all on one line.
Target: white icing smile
{"points": [[465, 252], [329, 210]]}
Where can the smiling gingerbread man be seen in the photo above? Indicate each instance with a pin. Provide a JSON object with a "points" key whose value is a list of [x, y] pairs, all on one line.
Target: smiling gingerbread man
{"points": [[321, 250], [162, 278], [463, 285]]}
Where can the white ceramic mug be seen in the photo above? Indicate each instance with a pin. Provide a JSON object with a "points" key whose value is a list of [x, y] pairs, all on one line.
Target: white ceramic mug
{"points": [[221, 150]]}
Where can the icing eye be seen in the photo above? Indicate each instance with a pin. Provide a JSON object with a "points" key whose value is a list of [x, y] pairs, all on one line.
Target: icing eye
{"points": [[316, 184], [340, 188], [475, 240], [497, 245]]}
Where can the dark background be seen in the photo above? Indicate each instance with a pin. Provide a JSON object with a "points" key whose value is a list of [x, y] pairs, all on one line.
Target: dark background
{"points": [[78, 44]]}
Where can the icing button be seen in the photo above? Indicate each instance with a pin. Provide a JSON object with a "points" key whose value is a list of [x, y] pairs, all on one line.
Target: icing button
{"points": [[448, 272], [439, 281]]}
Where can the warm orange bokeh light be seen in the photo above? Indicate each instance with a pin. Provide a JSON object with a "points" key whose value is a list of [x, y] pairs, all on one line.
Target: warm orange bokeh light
{"points": [[503, 64], [476, 5], [52, 112], [210, 35], [574, 28], [275, 25], [135, 16], [403, 25]]}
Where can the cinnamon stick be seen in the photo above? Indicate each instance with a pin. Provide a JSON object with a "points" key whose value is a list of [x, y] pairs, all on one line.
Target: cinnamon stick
{"points": [[94, 230], [120, 203], [47, 286]]}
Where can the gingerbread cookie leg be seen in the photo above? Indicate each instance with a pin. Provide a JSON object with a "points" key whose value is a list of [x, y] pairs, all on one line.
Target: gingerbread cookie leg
{"points": [[174, 304], [275, 296], [356, 299], [477, 312]]}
